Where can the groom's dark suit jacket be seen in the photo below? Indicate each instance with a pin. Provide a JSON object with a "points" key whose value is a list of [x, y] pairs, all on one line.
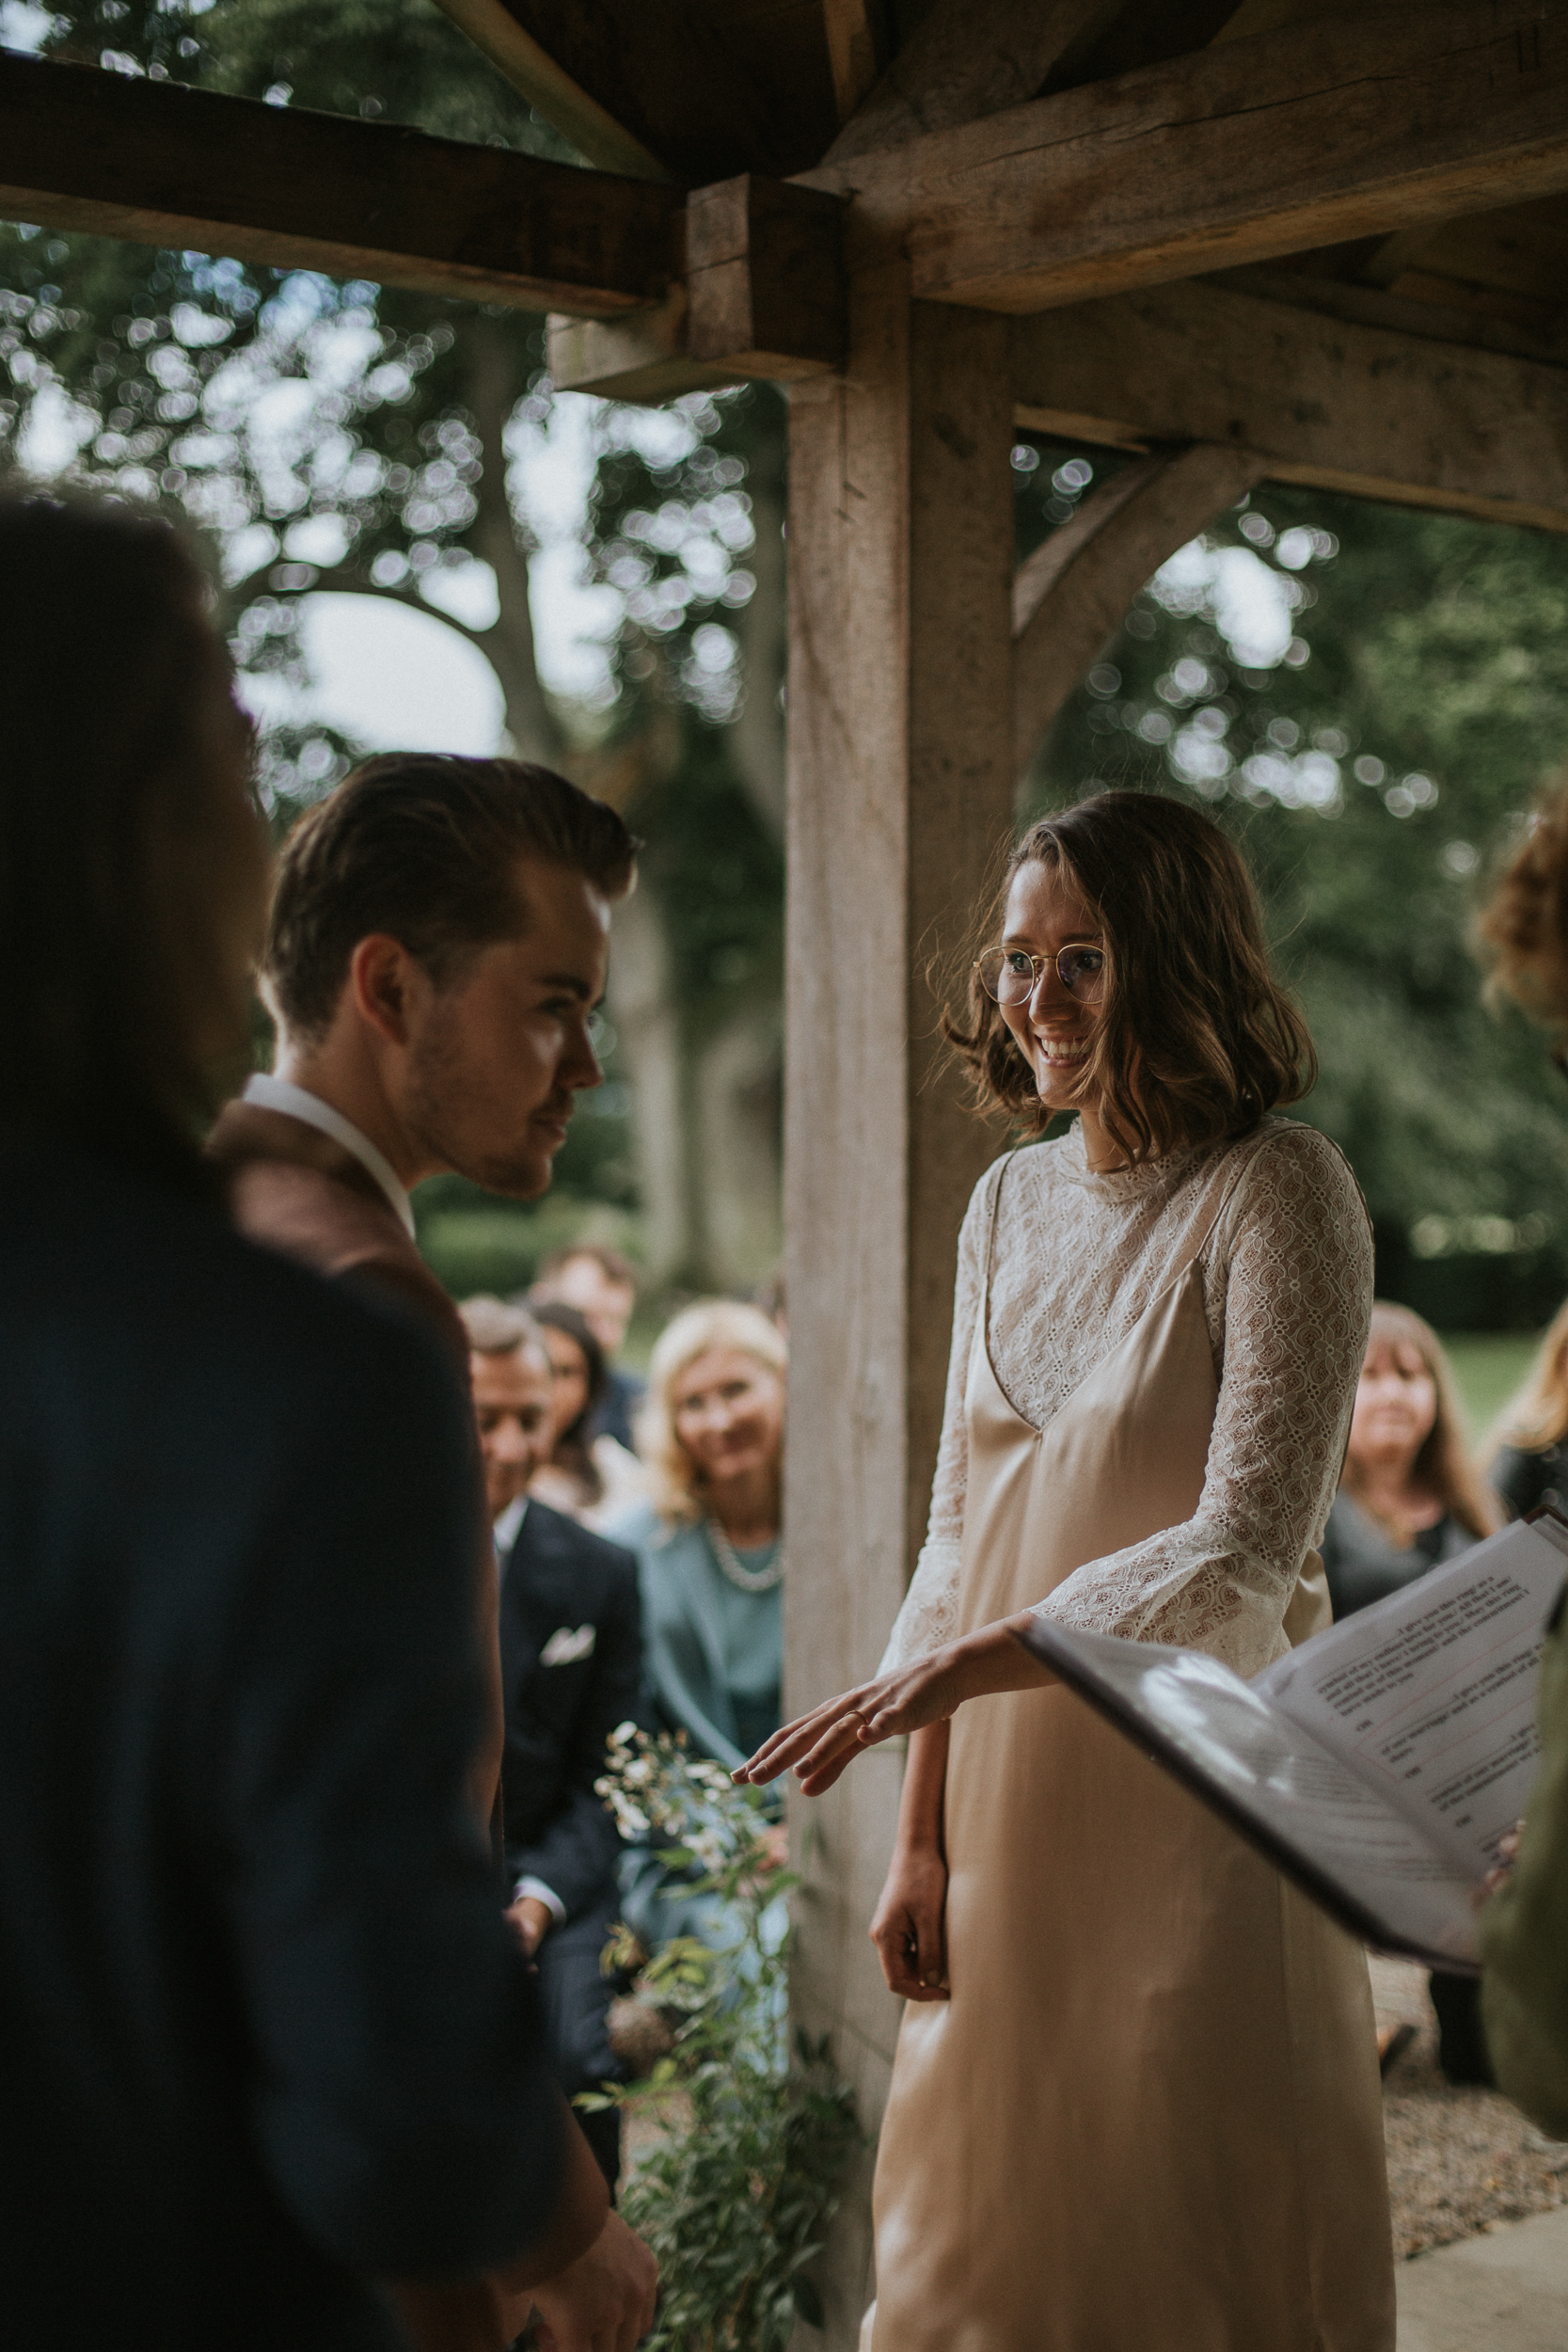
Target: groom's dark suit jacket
{"points": [[262, 2029], [571, 1670]]}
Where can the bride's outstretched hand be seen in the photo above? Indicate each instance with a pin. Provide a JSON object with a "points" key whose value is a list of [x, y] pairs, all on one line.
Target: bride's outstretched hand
{"points": [[817, 1746]]}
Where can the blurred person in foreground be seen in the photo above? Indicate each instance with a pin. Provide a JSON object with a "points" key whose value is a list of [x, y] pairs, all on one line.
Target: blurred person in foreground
{"points": [[437, 940], [591, 1477], [1408, 1501], [266, 2039], [602, 1285], [1522, 934], [571, 1638], [1528, 1466], [709, 1543]]}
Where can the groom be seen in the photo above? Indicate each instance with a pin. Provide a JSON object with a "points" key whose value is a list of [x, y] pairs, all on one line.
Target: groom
{"points": [[437, 940]]}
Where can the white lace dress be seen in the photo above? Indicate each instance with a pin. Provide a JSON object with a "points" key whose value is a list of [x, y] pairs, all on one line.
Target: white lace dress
{"points": [[1076, 1259], [1148, 2114]]}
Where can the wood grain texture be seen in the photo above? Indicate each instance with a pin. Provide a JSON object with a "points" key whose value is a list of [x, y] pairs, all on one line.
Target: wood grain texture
{"points": [[1350, 124], [550, 91], [764, 299], [1322, 400], [1071, 597], [711, 88], [900, 553], [966, 59], [854, 30], [765, 277], [158, 163]]}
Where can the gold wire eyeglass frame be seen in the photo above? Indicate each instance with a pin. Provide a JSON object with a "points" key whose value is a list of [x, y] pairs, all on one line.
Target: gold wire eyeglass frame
{"points": [[1036, 967]]}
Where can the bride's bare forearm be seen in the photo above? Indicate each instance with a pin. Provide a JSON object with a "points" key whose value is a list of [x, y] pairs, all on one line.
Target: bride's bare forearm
{"points": [[925, 1785]]}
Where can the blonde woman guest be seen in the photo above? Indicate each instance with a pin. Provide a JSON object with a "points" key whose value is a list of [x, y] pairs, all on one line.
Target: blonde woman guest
{"points": [[710, 1546], [593, 1479], [1408, 1498], [1529, 1458], [1135, 2098]]}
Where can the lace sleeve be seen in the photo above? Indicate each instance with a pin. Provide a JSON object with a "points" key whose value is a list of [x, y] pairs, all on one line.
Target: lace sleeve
{"points": [[1299, 1299], [930, 1612]]}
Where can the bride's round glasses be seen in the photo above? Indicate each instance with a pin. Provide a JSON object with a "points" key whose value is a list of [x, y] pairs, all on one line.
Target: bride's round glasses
{"points": [[1011, 974]]}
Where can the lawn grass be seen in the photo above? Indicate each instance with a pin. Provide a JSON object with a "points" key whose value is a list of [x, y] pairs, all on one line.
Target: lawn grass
{"points": [[1489, 1366]]}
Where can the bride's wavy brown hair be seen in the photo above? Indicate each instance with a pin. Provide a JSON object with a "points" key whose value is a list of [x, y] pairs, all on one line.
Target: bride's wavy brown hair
{"points": [[1197, 1039]]}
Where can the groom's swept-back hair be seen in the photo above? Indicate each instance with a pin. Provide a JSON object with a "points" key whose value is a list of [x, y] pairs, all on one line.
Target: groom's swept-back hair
{"points": [[424, 847]]}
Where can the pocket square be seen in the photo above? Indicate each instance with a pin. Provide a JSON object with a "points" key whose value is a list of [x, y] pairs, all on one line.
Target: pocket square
{"points": [[564, 1648]]}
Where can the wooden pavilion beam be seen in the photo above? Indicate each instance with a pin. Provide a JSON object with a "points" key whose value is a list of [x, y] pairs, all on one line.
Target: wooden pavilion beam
{"points": [[1350, 124], [158, 163], [966, 59], [1322, 400], [1071, 597]]}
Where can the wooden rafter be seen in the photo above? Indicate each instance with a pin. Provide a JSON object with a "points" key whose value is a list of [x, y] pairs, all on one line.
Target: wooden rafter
{"points": [[965, 58], [709, 88], [551, 92], [853, 28], [158, 163], [1324, 402], [1069, 597], [1350, 124]]}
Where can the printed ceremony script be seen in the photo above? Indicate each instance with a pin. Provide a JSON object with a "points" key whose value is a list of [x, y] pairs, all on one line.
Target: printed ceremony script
{"points": [[1378, 1765]]}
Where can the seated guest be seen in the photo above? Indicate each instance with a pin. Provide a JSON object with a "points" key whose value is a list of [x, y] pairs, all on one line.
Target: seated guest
{"points": [[602, 1285], [1408, 1497], [571, 1667], [1524, 1929], [590, 1478], [266, 2037], [710, 1547], [1409, 1500], [1530, 1460]]}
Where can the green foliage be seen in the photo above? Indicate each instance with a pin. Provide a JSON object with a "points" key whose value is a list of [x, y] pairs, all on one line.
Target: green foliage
{"points": [[1375, 766], [735, 2203]]}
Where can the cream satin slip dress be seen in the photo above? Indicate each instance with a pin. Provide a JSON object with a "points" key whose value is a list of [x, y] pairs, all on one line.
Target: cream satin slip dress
{"points": [[1148, 2120]]}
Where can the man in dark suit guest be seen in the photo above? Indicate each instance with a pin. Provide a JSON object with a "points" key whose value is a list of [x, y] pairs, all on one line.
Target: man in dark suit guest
{"points": [[264, 2040], [571, 1642]]}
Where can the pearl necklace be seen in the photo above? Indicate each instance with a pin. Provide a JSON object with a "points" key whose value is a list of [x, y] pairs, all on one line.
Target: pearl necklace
{"points": [[745, 1579]]}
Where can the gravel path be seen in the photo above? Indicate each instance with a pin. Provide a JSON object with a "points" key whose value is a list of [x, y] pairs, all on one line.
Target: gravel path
{"points": [[1459, 2161]]}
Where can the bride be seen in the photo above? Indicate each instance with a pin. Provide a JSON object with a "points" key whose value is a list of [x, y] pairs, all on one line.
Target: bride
{"points": [[1135, 2100]]}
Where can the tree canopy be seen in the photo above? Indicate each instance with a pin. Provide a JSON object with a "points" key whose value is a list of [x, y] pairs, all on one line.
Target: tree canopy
{"points": [[1368, 697]]}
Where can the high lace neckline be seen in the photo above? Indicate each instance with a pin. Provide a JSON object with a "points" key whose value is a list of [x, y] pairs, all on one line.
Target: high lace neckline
{"points": [[1119, 1184]]}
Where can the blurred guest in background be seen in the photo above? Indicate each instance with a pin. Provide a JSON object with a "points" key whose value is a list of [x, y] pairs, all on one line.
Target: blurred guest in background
{"points": [[1409, 1500], [593, 1479], [1408, 1497], [710, 1545], [265, 2034], [571, 1670], [602, 1285], [1529, 1461], [1522, 932]]}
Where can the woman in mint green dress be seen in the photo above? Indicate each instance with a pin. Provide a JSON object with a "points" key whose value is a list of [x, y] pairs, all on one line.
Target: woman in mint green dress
{"points": [[710, 1553]]}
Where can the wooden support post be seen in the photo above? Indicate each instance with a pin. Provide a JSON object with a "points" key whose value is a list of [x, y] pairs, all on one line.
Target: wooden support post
{"points": [[900, 791], [1069, 596]]}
